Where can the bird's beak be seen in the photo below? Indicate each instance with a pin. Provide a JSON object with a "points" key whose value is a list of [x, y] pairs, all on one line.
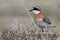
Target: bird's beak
{"points": [[54, 26], [30, 10]]}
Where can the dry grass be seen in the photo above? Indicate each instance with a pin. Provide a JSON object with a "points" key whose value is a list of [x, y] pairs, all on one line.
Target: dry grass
{"points": [[30, 34]]}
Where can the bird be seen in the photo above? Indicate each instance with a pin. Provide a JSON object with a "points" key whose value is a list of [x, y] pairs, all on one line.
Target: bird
{"points": [[40, 19]]}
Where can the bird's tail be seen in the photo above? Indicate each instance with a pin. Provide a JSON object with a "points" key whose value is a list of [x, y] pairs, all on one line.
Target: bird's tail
{"points": [[49, 26]]}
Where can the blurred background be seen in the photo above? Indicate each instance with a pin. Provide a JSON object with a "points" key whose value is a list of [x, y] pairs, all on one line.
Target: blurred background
{"points": [[12, 13]]}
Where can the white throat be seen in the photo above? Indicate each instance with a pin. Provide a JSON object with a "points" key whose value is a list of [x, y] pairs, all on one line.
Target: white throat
{"points": [[36, 12]]}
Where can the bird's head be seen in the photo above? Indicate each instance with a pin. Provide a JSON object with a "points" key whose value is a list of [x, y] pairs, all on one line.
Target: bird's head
{"points": [[35, 10]]}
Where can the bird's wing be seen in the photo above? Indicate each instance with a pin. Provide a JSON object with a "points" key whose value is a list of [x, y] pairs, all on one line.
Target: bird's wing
{"points": [[47, 20]]}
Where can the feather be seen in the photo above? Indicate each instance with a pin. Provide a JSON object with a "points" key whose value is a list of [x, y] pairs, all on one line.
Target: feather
{"points": [[47, 20]]}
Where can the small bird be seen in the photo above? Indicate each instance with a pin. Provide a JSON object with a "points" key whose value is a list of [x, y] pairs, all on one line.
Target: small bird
{"points": [[41, 20]]}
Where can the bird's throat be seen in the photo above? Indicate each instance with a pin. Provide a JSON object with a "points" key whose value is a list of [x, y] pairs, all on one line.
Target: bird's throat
{"points": [[36, 12]]}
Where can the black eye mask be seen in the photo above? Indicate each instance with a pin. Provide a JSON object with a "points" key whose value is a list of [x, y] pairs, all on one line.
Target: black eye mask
{"points": [[34, 8]]}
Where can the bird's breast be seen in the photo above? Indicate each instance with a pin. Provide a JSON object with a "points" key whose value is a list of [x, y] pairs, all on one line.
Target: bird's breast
{"points": [[39, 17]]}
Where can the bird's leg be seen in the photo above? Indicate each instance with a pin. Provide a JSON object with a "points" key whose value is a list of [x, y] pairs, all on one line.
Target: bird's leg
{"points": [[42, 30], [43, 38]]}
